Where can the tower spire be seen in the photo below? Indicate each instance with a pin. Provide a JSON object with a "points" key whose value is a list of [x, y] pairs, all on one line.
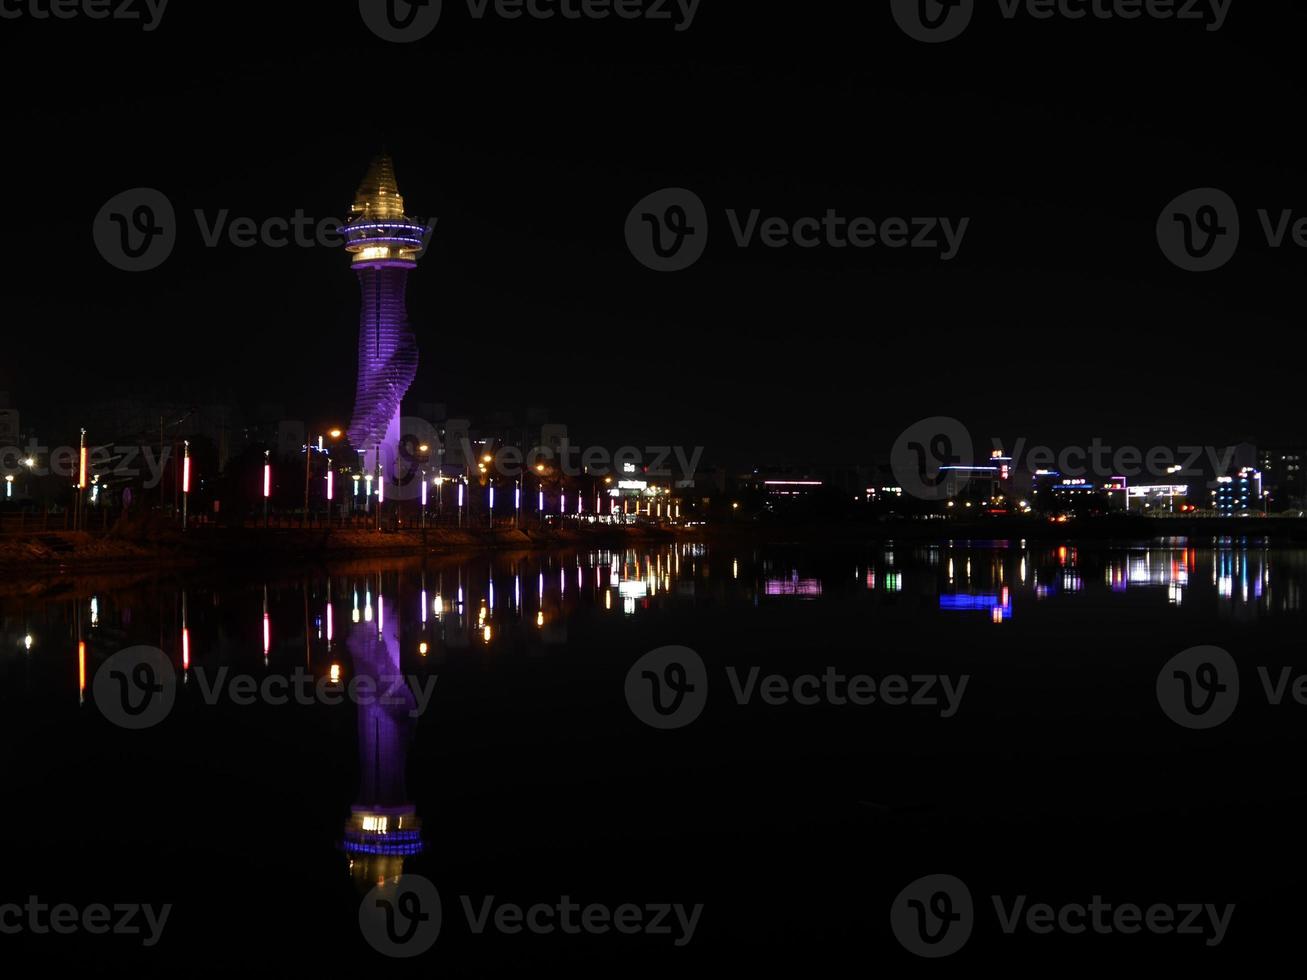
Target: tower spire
{"points": [[378, 196]]}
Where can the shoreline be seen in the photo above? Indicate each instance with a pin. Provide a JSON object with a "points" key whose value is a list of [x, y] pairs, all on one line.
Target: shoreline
{"points": [[153, 548]]}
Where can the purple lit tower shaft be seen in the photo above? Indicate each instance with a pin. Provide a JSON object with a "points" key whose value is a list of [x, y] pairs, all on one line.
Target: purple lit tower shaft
{"points": [[388, 363], [386, 244]]}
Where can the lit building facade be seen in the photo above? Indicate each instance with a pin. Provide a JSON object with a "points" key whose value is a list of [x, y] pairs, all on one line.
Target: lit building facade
{"points": [[1238, 494], [386, 245]]}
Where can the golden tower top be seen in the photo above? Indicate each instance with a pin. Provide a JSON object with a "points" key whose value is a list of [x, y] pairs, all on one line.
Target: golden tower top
{"points": [[378, 197]]}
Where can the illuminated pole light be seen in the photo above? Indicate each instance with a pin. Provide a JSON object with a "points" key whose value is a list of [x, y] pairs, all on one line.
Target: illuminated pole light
{"points": [[186, 482], [9, 487], [460, 504], [331, 486], [517, 502], [81, 479], [492, 505]]}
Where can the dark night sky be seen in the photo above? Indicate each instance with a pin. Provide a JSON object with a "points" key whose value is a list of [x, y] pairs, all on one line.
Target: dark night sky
{"points": [[531, 141]]}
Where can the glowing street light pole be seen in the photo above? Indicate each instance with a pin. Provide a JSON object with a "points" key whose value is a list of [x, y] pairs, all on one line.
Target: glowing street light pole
{"points": [[422, 519], [81, 481], [186, 482], [267, 483], [308, 459]]}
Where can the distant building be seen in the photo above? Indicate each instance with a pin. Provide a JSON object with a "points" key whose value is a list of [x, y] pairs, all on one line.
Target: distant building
{"points": [[554, 437], [1238, 494], [10, 432], [456, 442], [1157, 498], [1284, 473], [290, 438]]}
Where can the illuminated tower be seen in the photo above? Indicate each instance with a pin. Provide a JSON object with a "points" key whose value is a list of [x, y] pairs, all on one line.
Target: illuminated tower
{"points": [[385, 243], [383, 826]]}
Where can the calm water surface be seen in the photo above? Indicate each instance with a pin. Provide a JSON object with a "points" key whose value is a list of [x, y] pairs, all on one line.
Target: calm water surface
{"points": [[510, 763]]}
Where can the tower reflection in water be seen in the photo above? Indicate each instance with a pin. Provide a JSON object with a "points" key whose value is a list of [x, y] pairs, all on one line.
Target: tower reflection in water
{"points": [[383, 827]]}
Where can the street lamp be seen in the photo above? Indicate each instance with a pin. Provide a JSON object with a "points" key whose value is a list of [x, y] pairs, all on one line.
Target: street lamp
{"points": [[186, 481], [81, 480], [308, 459]]}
